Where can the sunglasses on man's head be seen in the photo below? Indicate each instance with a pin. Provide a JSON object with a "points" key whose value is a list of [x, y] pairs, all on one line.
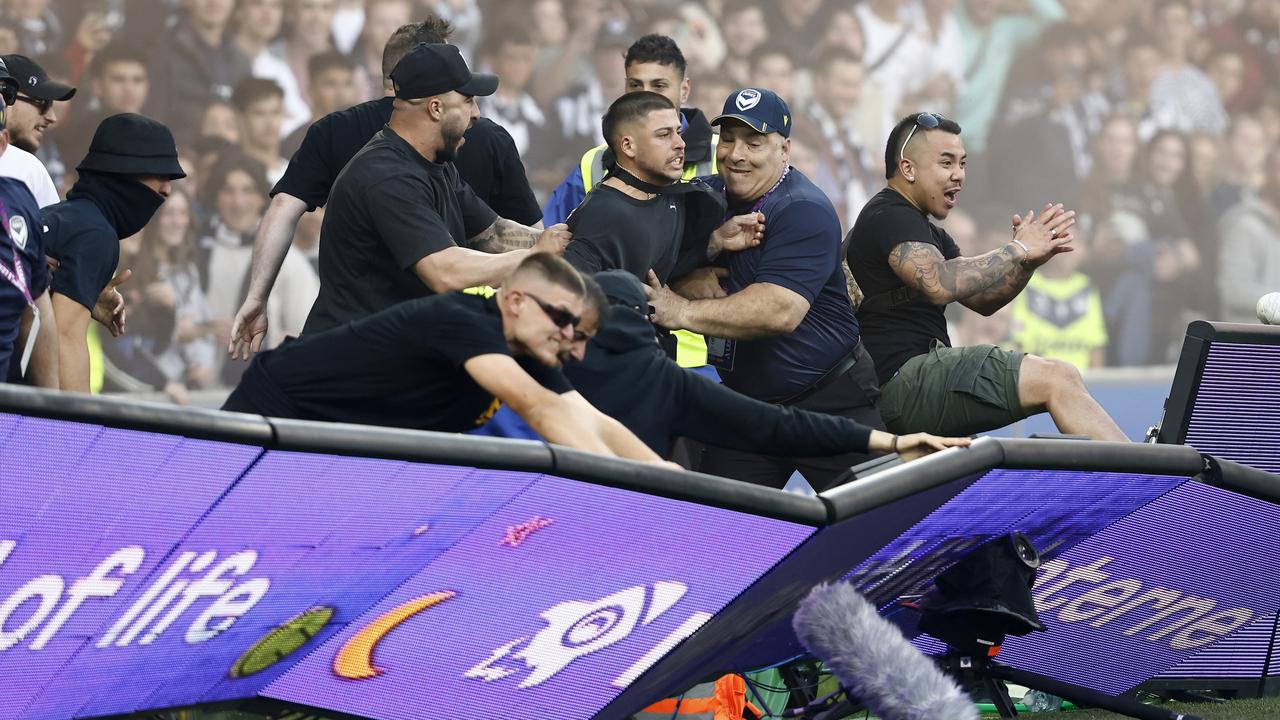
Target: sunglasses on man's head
{"points": [[44, 106], [561, 317], [926, 120]]}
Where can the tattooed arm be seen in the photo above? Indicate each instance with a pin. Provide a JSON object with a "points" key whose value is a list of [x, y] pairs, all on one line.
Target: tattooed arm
{"points": [[983, 280], [504, 235], [458, 268], [989, 281]]}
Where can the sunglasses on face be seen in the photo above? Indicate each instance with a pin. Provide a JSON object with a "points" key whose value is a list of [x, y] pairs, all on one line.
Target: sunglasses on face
{"points": [[9, 92], [44, 106], [926, 120], [561, 317]]}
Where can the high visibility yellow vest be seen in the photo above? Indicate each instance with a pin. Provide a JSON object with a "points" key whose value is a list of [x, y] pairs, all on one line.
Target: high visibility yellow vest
{"points": [[691, 348]]}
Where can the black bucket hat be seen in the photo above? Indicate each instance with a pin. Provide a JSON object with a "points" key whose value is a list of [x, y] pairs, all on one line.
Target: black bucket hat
{"points": [[130, 144]]}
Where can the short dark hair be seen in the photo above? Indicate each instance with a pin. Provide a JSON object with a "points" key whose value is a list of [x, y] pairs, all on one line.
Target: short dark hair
{"points": [[898, 135], [251, 89], [629, 108], [765, 51], [655, 48], [829, 55], [323, 62], [552, 268], [407, 37], [511, 31], [230, 162], [116, 52]]}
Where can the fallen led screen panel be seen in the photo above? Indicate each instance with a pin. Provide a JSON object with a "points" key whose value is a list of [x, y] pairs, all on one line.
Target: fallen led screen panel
{"points": [[142, 570], [1138, 572], [1225, 399]]}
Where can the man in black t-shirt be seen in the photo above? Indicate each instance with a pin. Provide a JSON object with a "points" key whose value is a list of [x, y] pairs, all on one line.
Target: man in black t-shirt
{"points": [[400, 224], [446, 362], [488, 162], [909, 270], [641, 218]]}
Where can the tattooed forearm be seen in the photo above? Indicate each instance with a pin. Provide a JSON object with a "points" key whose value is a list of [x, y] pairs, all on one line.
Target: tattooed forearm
{"points": [[504, 235], [921, 267]]}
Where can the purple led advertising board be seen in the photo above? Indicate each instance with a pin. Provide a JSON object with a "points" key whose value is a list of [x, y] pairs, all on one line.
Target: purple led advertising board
{"points": [[1236, 410], [1168, 581], [1055, 508], [553, 606], [142, 570], [87, 516]]}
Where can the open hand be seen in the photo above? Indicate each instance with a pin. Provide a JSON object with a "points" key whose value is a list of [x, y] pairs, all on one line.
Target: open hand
{"points": [[917, 445], [109, 310], [1046, 234], [248, 329]]}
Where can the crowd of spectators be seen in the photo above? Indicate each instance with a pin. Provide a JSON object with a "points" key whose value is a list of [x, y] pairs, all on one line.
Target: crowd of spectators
{"points": [[1159, 120]]}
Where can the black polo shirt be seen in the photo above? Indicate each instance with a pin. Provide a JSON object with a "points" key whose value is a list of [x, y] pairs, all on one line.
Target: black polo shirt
{"points": [[390, 207], [488, 160], [402, 367]]}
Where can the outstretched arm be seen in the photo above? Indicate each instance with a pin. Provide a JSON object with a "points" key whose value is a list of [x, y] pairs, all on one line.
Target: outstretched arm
{"points": [[270, 245], [565, 419], [458, 268], [715, 415], [504, 235], [987, 282]]}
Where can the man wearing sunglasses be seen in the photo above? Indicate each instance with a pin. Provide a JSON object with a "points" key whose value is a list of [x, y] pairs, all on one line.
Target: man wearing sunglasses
{"points": [[31, 113], [910, 269], [25, 351], [446, 362]]}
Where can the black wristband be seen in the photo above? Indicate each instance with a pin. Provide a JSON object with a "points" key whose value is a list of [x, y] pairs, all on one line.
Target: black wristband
{"points": [[893, 446]]}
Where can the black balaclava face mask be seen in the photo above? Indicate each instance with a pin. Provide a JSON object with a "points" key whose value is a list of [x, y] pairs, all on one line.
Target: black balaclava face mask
{"points": [[126, 203]]}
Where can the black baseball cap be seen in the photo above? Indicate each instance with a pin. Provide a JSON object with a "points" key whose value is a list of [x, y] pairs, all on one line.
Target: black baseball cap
{"points": [[437, 68], [759, 108], [8, 86], [34, 81]]}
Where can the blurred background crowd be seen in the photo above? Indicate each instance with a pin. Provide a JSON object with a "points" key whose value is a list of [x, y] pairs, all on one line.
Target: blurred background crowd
{"points": [[1158, 120]]}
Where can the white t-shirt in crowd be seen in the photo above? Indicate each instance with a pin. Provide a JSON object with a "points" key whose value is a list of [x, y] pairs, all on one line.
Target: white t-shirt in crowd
{"points": [[21, 165]]}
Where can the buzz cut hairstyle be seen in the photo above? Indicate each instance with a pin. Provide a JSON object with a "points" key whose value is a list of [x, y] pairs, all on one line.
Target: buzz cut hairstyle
{"points": [[655, 48], [117, 52], [552, 268], [323, 62], [630, 108], [893, 149], [434, 31], [251, 89]]}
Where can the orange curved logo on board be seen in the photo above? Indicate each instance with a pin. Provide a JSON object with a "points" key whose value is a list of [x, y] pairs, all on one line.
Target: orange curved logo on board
{"points": [[354, 660]]}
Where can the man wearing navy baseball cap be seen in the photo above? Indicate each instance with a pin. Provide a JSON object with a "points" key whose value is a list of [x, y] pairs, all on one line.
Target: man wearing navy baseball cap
{"points": [[400, 223], [785, 332]]}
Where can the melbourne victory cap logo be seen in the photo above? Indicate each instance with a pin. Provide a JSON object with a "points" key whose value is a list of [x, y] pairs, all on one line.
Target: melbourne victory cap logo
{"points": [[747, 99]]}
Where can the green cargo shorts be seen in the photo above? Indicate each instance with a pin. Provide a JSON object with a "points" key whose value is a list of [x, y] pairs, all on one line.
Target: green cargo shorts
{"points": [[954, 391]]}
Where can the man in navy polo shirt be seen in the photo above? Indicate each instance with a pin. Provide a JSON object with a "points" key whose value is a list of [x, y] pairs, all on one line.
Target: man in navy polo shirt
{"points": [[785, 333]]}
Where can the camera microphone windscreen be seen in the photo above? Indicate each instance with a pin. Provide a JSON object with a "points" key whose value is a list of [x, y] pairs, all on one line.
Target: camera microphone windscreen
{"points": [[873, 661]]}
